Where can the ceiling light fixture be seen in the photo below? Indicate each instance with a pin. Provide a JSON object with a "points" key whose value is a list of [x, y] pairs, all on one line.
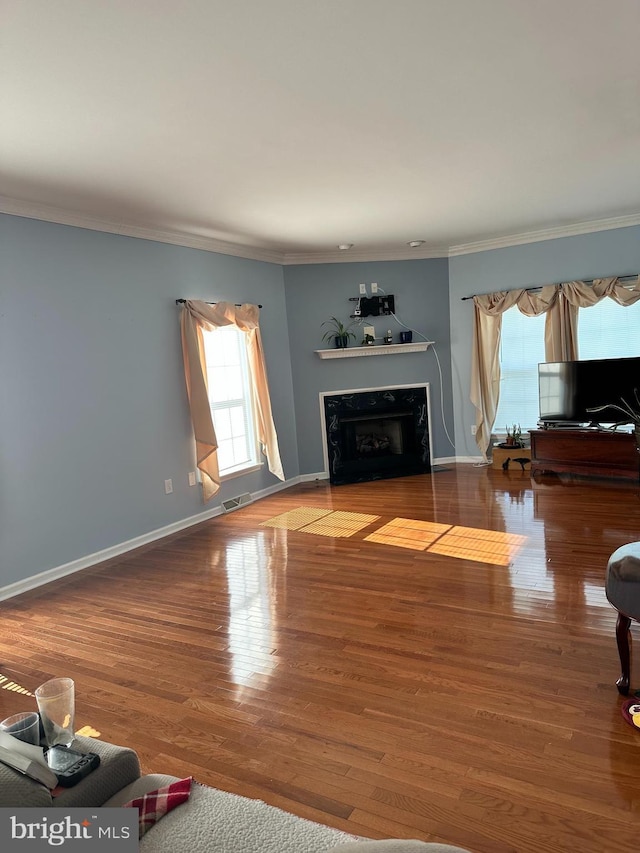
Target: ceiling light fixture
{"points": [[344, 246], [415, 243]]}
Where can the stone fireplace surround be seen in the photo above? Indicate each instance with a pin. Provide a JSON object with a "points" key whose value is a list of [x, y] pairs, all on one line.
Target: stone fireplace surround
{"points": [[375, 433]]}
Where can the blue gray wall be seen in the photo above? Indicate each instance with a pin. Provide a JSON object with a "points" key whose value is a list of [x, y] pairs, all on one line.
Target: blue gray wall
{"points": [[587, 256], [316, 292], [93, 414]]}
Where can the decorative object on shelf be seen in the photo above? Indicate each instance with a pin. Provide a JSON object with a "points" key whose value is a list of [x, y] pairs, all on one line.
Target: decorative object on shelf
{"points": [[368, 341], [388, 338], [514, 436], [406, 337], [338, 332]]}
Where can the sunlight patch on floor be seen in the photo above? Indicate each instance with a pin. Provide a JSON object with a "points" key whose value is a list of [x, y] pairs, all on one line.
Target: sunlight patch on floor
{"points": [[321, 522], [408, 533], [464, 543], [296, 518], [482, 546], [7, 684], [340, 524], [88, 731]]}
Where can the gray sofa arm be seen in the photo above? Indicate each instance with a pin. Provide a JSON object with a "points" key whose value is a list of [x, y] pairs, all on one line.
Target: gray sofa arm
{"points": [[119, 766], [18, 790]]}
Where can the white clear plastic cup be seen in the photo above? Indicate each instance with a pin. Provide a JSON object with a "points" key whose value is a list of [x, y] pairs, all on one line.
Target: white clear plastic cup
{"points": [[56, 703], [24, 726]]}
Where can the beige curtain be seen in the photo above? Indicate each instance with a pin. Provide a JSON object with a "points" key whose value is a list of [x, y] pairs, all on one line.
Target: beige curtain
{"points": [[195, 317], [485, 357], [561, 303]]}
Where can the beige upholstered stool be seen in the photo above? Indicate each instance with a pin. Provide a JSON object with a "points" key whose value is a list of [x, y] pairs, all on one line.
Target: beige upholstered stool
{"points": [[622, 588]]}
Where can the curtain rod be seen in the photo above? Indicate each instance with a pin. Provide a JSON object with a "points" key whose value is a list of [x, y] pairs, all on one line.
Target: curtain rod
{"points": [[237, 304], [540, 286]]}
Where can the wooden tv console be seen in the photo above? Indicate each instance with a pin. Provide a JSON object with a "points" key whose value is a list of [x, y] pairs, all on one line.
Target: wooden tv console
{"points": [[588, 452]]}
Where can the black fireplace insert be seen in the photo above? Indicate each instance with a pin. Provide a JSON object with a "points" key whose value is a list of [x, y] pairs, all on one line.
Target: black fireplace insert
{"points": [[377, 434]]}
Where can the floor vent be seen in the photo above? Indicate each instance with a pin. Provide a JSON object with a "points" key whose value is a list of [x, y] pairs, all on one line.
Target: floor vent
{"points": [[235, 503]]}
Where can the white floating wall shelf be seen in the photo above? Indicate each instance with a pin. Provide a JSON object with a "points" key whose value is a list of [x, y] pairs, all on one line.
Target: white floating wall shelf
{"points": [[381, 349]]}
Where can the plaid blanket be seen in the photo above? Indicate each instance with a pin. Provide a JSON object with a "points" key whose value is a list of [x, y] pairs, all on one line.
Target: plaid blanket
{"points": [[156, 804]]}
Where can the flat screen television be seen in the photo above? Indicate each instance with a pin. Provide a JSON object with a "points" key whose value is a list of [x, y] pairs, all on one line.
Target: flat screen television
{"points": [[568, 389]]}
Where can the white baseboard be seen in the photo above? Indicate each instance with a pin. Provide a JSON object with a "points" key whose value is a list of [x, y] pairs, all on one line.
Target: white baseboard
{"points": [[89, 560]]}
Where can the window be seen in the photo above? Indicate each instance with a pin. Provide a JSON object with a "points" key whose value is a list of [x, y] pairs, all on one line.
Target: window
{"points": [[230, 399], [605, 330], [521, 350], [609, 330]]}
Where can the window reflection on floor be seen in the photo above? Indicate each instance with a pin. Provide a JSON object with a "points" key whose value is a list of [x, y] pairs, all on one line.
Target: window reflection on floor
{"points": [[253, 565]]}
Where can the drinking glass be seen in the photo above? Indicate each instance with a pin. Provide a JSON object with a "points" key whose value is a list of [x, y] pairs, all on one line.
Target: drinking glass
{"points": [[56, 703], [24, 726]]}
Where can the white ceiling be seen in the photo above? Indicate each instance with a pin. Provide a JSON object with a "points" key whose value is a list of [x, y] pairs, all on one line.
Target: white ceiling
{"points": [[286, 127]]}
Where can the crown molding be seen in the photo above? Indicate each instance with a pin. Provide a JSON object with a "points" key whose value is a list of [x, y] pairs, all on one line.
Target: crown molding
{"points": [[588, 227], [14, 207]]}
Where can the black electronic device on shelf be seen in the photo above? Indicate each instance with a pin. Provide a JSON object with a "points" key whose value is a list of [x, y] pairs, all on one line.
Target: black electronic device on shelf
{"points": [[374, 306]]}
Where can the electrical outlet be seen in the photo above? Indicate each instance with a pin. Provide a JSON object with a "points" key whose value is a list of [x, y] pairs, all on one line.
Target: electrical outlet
{"points": [[168, 487], [363, 289], [474, 429], [192, 478], [374, 287]]}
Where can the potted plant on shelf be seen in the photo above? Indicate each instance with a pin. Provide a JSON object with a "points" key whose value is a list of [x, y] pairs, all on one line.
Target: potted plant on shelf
{"points": [[368, 341], [338, 332]]}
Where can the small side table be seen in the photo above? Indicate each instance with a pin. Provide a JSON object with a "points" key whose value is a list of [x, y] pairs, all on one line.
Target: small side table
{"points": [[499, 456]]}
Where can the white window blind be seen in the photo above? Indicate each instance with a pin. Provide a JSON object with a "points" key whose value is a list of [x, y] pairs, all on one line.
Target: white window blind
{"points": [[521, 350], [230, 399], [609, 330]]}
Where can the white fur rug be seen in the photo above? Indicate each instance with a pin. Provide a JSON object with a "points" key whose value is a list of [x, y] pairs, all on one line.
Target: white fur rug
{"points": [[213, 821]]}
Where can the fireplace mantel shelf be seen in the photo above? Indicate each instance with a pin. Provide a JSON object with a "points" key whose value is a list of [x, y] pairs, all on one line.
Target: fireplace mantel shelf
{"points": [[382, 349]]}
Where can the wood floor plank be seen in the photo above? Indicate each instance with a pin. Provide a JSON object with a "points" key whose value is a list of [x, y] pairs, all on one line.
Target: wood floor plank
{"points": [[380, 689]]}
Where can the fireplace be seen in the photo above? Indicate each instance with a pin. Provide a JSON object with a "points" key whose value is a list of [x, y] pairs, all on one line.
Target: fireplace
{"points": [[376, 433]]}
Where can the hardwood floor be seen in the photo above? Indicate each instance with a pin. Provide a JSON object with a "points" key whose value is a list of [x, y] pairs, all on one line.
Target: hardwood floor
{"points": [[380, 689]]}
